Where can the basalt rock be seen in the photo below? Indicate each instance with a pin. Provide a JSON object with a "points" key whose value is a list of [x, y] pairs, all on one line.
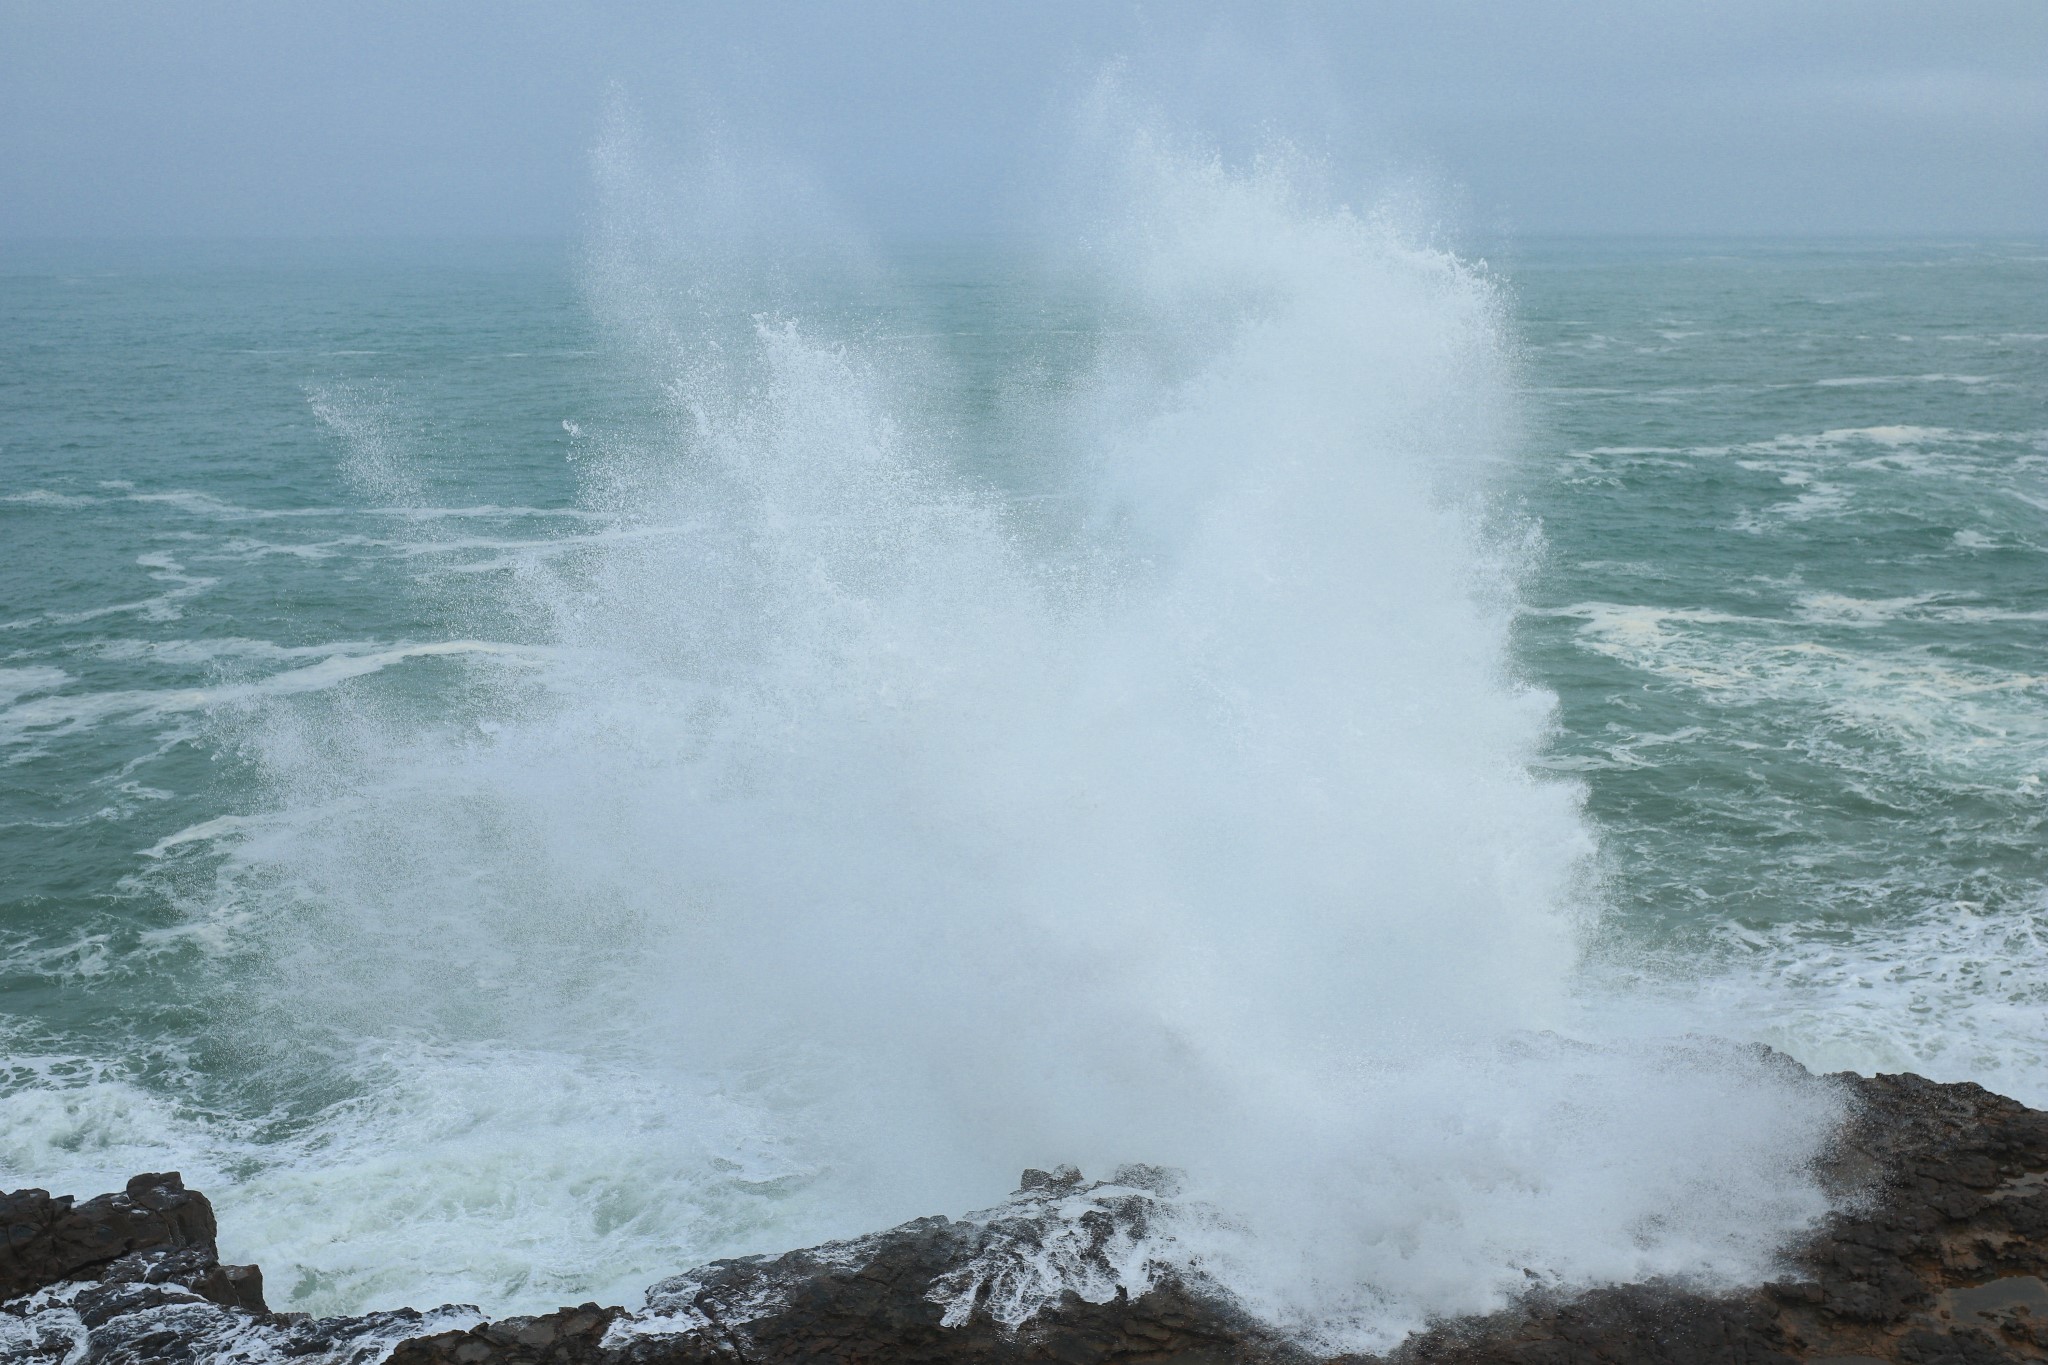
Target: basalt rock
{"points": [[1939, 1256], [49, 1240]]}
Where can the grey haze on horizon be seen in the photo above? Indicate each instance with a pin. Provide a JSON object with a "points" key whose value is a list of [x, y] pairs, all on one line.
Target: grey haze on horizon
{"points": [[319, 118]]}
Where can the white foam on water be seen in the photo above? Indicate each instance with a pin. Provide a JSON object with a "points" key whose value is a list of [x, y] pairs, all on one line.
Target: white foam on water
{"points": [[489, 511], [1968, 717], [513, 551], [1837, 609], [16, 683], [204, 652], [825, 868], [61, 713], [205, 831], [1891, 436], [246, 549], [44, 497], [1875, 381], [219, 509], [636, 1170], [76, 1128], [1817, 500], [1842, 610], [164, 606], [76, 956], [1956, 992]]}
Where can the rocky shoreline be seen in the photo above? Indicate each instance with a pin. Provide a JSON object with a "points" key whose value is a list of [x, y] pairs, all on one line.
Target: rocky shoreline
{"points": [[1938, 1257]]}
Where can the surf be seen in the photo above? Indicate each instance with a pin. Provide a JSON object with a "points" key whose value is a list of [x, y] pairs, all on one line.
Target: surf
{"points": [[844, 834]]}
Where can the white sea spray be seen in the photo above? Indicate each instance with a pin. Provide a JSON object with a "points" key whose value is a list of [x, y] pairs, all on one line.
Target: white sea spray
{"points": [[835, 846]]}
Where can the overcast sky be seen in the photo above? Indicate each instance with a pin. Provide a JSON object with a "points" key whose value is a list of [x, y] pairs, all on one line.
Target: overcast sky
{"points": [[434, 117]]}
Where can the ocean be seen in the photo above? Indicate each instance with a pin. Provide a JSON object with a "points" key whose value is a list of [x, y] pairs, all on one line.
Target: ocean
{"points": [[528, 766]]}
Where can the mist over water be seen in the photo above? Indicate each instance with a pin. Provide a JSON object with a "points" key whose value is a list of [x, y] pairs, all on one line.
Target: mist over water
{"points": [[837, 834]]}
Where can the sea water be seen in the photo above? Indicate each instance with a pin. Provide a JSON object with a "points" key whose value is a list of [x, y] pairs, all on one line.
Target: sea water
{"points": [[529, 766]]}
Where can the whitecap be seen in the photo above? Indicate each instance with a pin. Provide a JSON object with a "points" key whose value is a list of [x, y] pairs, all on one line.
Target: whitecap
{"points": [[16, 683], [41, 497], [68, 713], [1955, 992], [219, 827]]}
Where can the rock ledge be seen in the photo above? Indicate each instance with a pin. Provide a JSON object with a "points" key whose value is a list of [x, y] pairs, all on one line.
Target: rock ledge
{"points": [[1942, 1259]]}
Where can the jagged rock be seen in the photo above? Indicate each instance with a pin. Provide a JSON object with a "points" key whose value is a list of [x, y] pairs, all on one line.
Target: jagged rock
{"points": [[566, 1335], [932, 1290], [133, 1276], [1939, 1256], [49, 1239], [86, 1322]]}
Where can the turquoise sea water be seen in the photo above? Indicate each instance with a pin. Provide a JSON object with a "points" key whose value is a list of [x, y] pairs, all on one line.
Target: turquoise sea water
{"points": [[1793, 609], [1787, 512]]}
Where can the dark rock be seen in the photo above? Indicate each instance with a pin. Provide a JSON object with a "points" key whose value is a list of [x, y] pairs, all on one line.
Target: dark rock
{"points": [[1939, 1256], [565, 1335], [49, 1240], [195, 1270]]}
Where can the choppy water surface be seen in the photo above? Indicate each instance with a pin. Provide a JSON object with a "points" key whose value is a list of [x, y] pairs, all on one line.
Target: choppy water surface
{"points": [[1793, 609], [521, 771]]}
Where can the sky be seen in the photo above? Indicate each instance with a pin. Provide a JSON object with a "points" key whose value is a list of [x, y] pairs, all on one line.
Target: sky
{"points": [[457, 118]]}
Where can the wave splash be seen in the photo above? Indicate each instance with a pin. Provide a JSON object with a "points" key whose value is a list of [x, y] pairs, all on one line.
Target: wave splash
{"points": [[852, 844]]}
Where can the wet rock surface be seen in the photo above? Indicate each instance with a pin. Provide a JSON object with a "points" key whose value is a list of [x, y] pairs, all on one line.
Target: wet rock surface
{"points": [[1939, 1257], [49, 1239], [135, 1279]]}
